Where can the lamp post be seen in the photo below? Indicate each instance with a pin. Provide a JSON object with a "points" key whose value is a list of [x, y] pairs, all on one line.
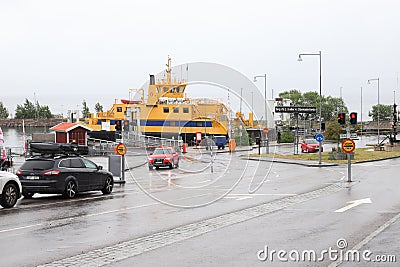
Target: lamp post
{"points": [[320, 95], [369, 82], [265, 104], [361, 111]]}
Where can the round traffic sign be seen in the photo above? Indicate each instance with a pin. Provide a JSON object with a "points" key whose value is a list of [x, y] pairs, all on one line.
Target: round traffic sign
{"points": [[319, 137], [265, 130], [348, 145], [120, 149]]}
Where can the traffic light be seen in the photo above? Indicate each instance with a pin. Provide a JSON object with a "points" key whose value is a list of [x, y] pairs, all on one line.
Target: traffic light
{"points": [[341, 119], [126, 125], [118, 125], [353, 118], [322, 126]]}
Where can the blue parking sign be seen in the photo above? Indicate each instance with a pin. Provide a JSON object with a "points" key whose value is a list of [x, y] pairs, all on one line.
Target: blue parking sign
{"points": [[319, 137]]}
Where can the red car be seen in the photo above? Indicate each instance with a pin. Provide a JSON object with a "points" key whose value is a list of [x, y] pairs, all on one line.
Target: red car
{"points": [[310, 145], [163, 157]]}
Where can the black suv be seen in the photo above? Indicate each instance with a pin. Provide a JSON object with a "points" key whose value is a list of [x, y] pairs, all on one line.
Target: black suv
{"points": [[65, 174]]}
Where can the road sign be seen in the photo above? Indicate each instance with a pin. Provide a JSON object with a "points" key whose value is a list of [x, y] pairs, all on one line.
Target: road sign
{"points": [[265, 130], [293, 109], [319, 137], [198, 136], [121, 149], [348, 145]]}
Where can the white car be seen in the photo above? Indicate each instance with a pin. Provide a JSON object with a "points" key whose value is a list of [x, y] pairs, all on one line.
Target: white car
{"points": [[10, 189]]}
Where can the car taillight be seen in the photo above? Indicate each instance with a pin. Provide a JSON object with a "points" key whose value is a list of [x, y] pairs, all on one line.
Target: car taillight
{"points": [[18, 172], [52, 172]]}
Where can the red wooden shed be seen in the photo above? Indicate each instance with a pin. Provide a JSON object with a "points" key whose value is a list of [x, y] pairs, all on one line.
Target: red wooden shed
{"points": [[68, 132]]}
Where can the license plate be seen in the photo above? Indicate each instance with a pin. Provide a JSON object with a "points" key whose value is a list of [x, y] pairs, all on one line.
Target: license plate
{"points": [[32, 177]]}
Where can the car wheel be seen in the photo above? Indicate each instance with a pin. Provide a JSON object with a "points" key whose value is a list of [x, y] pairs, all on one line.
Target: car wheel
{"points": [[108, 186], [9, 196], [70, 189], [177, 164], [150, 167], [171, 165], [157, 168], [27, 194]]}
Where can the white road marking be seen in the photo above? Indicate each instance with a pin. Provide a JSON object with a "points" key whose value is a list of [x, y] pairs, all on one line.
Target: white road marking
{"points": [[354, 203], [250, 196], [368, 238]]}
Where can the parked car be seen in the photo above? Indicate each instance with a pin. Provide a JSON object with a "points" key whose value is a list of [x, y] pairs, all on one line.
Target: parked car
{"points": [[310, 145], [10, 189], [163, 157], [66, 174]]}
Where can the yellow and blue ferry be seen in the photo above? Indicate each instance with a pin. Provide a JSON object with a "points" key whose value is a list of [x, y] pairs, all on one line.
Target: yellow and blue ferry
{"points": [[166, 113]]}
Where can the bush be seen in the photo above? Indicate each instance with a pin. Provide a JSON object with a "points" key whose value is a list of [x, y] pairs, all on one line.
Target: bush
{"points": [[287, 137]]}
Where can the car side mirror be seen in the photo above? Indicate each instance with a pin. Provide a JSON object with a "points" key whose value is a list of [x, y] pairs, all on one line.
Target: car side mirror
{"points": [[99, 167]]}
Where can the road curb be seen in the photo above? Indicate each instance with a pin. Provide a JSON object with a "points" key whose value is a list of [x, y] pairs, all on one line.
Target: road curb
{"points": [[288, 161]]}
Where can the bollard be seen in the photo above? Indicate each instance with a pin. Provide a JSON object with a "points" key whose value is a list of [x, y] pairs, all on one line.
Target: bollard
{"points": [[184, 148]]}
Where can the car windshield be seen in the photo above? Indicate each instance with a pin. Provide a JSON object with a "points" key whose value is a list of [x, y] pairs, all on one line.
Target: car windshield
{"points": [[311, 141], [160, 151], [31, 165]]}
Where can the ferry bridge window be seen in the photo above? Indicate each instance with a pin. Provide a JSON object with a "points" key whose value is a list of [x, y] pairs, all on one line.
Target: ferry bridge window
{"points": [[176, 110], [185, 110], [166, 110], [165, 89], [119, 109], [156, 90], [181, 89]]}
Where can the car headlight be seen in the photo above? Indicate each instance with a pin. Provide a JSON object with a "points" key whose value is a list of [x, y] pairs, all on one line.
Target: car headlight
{"points": [[168, 159]]}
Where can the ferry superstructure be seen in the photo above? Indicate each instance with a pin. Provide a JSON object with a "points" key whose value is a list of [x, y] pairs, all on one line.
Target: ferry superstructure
{"points": [[167, 112]]}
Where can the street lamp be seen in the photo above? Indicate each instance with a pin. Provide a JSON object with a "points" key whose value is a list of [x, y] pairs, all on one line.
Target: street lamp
{"points": [[265, 103], [320, 95], [369, 82]]}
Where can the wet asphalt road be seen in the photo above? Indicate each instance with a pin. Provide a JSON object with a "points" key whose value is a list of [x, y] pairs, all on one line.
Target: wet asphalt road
{"points": [[192, 216]]}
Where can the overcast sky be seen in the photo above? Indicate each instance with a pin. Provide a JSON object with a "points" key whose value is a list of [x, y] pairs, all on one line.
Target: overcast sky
{"points": [[65, 51]]}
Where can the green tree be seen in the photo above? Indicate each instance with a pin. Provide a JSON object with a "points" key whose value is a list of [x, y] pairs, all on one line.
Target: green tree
{"points": [[241, 137], [3, 111], [332, 131], [85, 109], [98, 107], [29, 111], [331, 106], [26, 110], [44, 112], [385, 112]]}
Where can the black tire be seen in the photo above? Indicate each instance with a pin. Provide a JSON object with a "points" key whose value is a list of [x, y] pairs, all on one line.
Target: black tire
{"points": [[108, 186], [27, 195], [171, 165], [177, 164], [157, 168], [70, 189], [150, 167], [9, 196]]}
